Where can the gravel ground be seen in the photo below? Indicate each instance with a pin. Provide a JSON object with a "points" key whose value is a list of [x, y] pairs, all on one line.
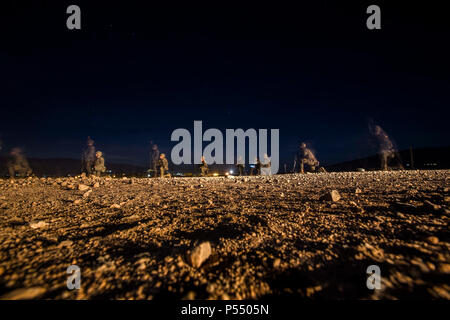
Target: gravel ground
{"points": [[285, 235]]}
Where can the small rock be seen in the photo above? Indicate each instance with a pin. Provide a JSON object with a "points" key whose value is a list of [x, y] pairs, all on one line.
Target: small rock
{"points": [[37, 225], [87, 193], [96, 185], [433, 240], [115, 206], [83, 187], [333, 195], [400, 215], [276, 263], [444, 268], [200, 254]]}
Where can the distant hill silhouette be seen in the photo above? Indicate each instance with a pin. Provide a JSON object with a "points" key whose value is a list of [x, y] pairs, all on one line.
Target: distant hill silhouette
{"points": [[424, 158], [64, 167]]}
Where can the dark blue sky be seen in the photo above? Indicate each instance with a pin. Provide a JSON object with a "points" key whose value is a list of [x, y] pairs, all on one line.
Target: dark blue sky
{"points": [[135, 74]]}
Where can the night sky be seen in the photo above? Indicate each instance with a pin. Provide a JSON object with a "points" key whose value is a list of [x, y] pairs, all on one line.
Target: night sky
{"points": [[135, 73]]}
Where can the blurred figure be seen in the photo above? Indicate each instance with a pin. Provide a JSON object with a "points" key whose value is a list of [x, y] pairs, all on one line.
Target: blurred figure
{"points": [[88, 157], [18, 164], [304, 157], [99, 164], [240, 166], [386, 149], [256, 169], [163, 164], [154, 159], [203, 167], [265, 166]]}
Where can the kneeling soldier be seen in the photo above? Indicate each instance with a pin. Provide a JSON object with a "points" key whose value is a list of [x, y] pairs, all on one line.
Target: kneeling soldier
{"points": [[163, 164], [99, 164]]}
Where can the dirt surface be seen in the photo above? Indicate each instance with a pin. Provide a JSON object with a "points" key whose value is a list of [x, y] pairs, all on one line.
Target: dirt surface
{"points": [[268, 236]]}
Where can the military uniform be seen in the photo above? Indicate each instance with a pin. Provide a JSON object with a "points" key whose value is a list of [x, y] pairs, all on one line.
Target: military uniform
{"points": [[18, 164], [265, 166], [203, 168], [304, 157], [163, 166], [99, 166]]}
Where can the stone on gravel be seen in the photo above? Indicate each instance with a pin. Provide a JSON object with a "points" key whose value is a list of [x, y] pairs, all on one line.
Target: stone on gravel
{"points": [[433, 240], [87, 193], [200, 254], [83, 187], [332, 195], [37, 225]]}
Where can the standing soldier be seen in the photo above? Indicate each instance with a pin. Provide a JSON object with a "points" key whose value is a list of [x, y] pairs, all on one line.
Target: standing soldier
{"points": [[203, 167], [305, 156], [240, 166], [88, 157], [386, 148], [99, 165], [154, 158], [18, 164], [163, 164]]}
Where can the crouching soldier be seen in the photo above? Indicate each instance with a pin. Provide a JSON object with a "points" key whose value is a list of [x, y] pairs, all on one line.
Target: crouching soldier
{"points": [[18, 164], [163, 164], [304, 157], [99, 164], [203, 167]]}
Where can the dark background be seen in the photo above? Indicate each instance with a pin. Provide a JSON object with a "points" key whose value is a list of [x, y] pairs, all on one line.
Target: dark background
{"points": [[135, 72]]}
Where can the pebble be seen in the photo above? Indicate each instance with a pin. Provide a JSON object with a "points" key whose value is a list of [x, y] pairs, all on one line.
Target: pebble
{"points": [[332, 195], [200, 254], [83, 187]]}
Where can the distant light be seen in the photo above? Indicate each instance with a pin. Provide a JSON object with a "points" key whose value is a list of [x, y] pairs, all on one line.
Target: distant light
{"points": [[215, 174], [231, 171], [226, 173]]}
